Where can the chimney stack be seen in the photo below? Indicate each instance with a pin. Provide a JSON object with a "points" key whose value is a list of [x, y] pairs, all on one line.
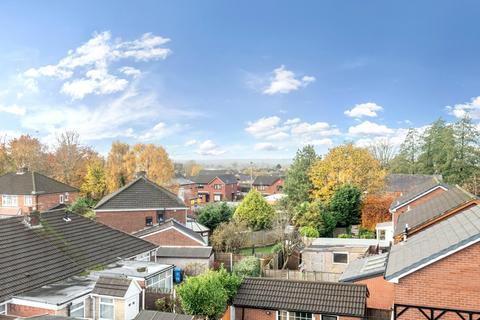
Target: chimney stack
{"points": [[22, 170], [32, 220]]}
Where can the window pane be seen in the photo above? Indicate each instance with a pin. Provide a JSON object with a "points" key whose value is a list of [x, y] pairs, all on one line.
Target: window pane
{"points": [[106, 311], [106, 300], [2, 309], [324, 317], [340, 257], [282, 315]]}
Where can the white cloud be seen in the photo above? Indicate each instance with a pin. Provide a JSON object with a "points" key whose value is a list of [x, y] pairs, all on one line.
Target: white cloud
{"points": [[472, 109], [292, 121], [264, 127], [190, 143], [284, 81], [369, 128], [158, 131], [320, 128], [13, 109], [368, 109], [209, 148], [265, 146], [93, 59]]}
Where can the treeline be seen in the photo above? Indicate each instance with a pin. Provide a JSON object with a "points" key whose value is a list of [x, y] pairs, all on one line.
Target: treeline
{"points": [[81, 166], [448, 149]]}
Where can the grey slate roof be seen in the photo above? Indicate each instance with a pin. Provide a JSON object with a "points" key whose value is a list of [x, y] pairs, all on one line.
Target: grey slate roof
{"points": [[440, 239], [31, 258], [365, 268], [206, 179], [184, 252], [112, 286], [31, 183], [400, 182], [416, 191], [265, 180], [168, 224], [157, 315], [294, 295], [140, 194], [433, 208]]}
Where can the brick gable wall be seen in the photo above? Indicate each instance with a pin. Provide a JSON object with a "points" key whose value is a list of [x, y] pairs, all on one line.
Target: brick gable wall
{"points": [[452, 282], [43, 202], [227, 191], [381, 292], [172, 237], [27, 311], [132, 221]]}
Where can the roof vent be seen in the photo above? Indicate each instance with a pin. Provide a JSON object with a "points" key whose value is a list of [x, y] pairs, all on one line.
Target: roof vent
{"points": [[66, 217], [22, 170]]}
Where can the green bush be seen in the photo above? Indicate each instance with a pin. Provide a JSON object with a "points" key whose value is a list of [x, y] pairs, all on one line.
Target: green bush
{"points": [[366, 234], [255, 211], [83, 206], [214, 214], [247, 267], [309, 232], [277, 248], [345, 236]]}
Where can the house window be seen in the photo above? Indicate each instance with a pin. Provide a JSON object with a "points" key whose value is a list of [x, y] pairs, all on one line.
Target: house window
{"points": [[217, 197], [217, 186], [77, 310], [381, 235], [66, 196], [106, 309], [28, 200], [3, 309], [61, 199], [149, 221], [340, 257], [9, 201], [261, 188], [162, 280], [289, 315], [160, 216], [143, 257], [328, 317]]}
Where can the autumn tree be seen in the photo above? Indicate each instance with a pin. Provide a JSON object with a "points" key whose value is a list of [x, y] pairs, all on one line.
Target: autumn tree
{"points": [[375, 210], [26, 151], [95, 183], [152, 159], [255, 211], [191, 168], [297, 185], [116, 172], [346, 164], [5, 164], [384, 151]]}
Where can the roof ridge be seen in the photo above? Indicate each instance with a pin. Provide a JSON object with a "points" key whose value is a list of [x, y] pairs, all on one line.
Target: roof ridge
{"points": [[307, 281], [169, 193], [112, 195]]}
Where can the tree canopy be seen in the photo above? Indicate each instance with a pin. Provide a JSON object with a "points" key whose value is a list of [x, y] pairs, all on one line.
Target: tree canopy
{"points": [[255, 211], [213, 214]]}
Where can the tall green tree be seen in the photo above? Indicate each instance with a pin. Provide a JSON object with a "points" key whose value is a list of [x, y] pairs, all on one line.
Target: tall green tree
{"points": [[345, 205], [255, 211], [406, 161], [467, 151], [297, 183]]}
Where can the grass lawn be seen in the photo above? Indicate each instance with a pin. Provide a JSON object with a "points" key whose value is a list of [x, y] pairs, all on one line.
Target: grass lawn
{"points": [[248, 251]]}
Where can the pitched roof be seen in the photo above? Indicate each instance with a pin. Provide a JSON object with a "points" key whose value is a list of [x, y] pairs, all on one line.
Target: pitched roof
{"points": [[305, 296], [170, 223], [265, 180], [112, 286], [365, 268], [417, 191], [207, 178], [400, 182], [184, 252], [157, 315], [33, 257], [433, 208], [140, 194], [31, 182], [441, 239]]}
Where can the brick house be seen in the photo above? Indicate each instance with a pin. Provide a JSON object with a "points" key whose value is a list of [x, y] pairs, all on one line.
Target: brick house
{"points": [[26, 191], [43, 255], [139, 205], [216, 188], [268, 185], [178, 245], [185, 189], [416, 196], [278, 299], [435, 272]]}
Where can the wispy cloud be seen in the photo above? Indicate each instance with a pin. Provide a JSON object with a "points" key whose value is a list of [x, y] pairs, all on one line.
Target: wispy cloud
{"points": [[369, 128], [209, 148], [368, 109], [471, 108], [13, 109]]}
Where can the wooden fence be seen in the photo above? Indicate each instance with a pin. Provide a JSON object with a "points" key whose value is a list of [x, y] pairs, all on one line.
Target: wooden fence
{"points": [[229, 260], [262, 238], [299, 275]]}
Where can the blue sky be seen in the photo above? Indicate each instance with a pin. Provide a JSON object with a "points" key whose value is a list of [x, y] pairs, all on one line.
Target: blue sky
{"points": [[244, 79]]}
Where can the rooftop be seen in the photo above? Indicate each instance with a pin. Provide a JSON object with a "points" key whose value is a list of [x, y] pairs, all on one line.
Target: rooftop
{"points": [[184, 252], [57, 250], [265, 180], [439, 240], [157, 315], [140, 194], [365, 268], [112, 286], [342, 242], [305, 296], [134, 269], [400, 182], [418, 190], [433, 208], [31, 182], [170, 223]]}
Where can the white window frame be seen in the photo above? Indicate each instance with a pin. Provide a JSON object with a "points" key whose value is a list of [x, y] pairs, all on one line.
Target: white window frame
{"points": [[143, 257], [78, 308], [340, 252], [61, 199], [278, 313], [3, 309], [8, 201], [215, 197], [217, 186], [66, 196], [28, 203], [100, 304], [166, 277]]}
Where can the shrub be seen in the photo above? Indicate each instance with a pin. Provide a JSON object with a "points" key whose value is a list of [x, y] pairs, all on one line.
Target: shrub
{"points": [[255, 211], [248, 267], [309, 232]]}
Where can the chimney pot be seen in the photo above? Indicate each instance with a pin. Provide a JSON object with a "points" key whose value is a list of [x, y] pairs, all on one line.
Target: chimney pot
{"points": [[32, 220]]}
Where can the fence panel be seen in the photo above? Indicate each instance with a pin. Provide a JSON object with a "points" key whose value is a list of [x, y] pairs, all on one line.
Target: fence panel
{"points": [[299, 275]]}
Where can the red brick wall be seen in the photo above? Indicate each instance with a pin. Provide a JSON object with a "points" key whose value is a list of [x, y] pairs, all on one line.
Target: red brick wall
{"points": [[415, 203], [171, 237], [452, 282], [228, 191], [273, 189], [381, 293], [254, 314], [131, 221], [27, 311], [43, 202]]}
